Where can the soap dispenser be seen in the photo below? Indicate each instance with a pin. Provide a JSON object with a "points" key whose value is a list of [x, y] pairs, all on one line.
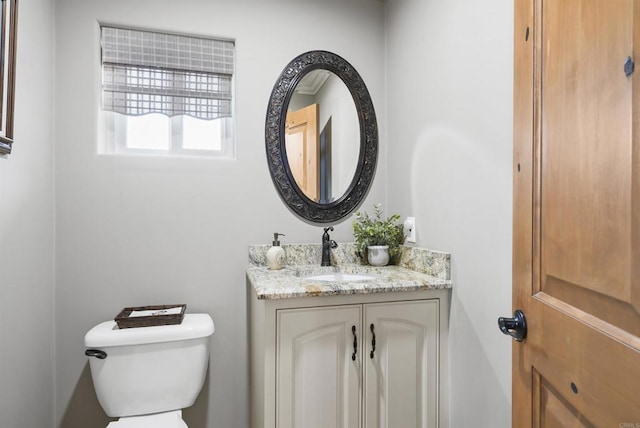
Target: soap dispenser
{"points": [[276, 257]]}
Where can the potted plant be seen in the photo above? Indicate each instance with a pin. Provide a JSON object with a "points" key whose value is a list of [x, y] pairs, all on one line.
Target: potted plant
{"points": [[377, 239]]}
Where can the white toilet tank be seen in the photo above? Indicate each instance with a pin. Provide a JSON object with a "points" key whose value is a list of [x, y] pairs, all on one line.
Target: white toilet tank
{"points": [[149, 369]]}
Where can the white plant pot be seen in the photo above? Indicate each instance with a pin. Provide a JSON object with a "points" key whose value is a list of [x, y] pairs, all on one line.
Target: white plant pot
{"points": [[378, 255]]}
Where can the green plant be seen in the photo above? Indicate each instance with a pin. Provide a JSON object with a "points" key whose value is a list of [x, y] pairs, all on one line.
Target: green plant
{"points": [[375, 230]]}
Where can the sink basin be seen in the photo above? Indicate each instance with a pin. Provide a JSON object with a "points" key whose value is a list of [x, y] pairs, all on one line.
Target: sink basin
{"points": [[339, 277]]}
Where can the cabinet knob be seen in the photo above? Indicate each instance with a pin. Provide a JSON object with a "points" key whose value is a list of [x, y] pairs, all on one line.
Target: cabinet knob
{"points": [[355, 343], [373, 341]]}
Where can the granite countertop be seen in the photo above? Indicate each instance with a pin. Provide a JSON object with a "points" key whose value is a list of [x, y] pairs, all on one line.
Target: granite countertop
{"points": [[417, 269]]}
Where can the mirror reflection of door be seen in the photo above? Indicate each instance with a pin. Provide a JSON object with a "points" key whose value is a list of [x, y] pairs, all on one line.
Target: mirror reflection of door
{"points": [[336, 147], [302, 144], [325, 164]]}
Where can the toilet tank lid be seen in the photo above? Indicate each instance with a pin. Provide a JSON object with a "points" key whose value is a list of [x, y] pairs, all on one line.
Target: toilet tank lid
{"points": [[106, 334]]}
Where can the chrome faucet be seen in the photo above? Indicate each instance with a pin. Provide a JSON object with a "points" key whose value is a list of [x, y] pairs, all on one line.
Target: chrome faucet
{"points": [[327, 245]]}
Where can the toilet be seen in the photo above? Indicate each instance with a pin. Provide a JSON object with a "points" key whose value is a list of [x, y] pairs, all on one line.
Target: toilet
{"points": [[145, 376]]}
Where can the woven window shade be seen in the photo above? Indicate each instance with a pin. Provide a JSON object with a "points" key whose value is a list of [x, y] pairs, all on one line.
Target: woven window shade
{"points": [[147, 72]]}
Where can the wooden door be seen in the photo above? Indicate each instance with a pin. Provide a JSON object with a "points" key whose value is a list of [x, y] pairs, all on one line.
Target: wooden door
{"points": [[401, 373], [317, 379], [303, 149], [576, 265]]}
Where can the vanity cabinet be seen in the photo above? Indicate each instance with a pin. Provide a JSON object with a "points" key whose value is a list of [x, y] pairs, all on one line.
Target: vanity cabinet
{"points": [[400, 382], [361, 361], [318, 373], [331, 359]]}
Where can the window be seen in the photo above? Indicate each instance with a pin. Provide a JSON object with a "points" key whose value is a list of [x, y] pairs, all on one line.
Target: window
{"points": [[167, 93]]}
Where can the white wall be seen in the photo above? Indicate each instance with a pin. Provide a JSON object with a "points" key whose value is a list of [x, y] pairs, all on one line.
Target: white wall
{"points": [[27, 231], [143, 230], [449, 125]]}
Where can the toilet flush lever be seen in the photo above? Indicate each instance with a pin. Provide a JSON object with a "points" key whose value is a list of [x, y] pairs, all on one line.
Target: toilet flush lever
{"points": [[101, 355]]}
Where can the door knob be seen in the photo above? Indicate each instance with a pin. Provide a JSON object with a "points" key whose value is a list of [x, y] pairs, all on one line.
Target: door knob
{"points": [[515, 327]]}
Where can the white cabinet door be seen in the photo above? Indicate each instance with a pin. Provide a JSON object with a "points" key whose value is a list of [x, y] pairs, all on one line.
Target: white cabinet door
{"points": [[401, 376], [317, 379]]}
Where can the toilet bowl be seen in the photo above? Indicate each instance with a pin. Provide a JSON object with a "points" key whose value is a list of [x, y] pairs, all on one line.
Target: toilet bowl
{"points": [[146, 376]]}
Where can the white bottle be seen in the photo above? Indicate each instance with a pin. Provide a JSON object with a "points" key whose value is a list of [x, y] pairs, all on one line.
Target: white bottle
{"points": [[276, 257]]}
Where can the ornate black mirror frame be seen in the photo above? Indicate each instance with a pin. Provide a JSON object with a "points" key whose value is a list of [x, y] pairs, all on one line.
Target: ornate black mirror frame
{"points": [[8, 34], [281, 174]]}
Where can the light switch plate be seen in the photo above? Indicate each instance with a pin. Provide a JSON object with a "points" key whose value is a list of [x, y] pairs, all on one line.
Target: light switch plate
{"points": [[410, 229]]}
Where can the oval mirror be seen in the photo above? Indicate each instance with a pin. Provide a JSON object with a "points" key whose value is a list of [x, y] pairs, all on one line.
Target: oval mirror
{"points": [[321, 137]]}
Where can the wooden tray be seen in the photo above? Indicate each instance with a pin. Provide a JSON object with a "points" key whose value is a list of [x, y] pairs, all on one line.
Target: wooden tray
{"points": [[124, 320]]}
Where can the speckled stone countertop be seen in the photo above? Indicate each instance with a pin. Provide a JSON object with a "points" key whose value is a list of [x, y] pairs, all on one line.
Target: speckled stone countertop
{"points": [[417, 269]]}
